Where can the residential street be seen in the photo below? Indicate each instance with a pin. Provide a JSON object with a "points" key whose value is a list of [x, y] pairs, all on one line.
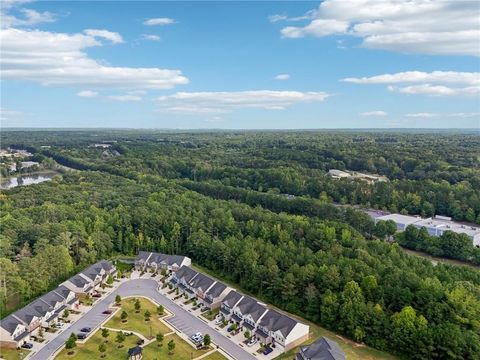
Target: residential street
{"points": [[182, 319]]}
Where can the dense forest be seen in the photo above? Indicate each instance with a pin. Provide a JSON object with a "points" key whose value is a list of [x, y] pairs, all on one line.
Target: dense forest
{"points": [[219, 198]]}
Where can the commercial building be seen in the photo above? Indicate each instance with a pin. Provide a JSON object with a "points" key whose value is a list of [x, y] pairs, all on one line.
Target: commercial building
{"points": [[435, 226]]}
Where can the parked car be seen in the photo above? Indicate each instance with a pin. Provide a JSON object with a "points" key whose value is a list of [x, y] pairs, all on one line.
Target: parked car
{"points": [[86, 329], [27, 345], [59, 325], [108, 311], [197, 337], [97, 295], [252, 341], [205, 308], [81, 336], [218, 321], [267, 351], [230, 328]]}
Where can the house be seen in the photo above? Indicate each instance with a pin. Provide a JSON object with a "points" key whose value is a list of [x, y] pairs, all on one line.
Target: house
{"points": [[86, 281], [215, 295], [149, 260], [200, 284], [182, 279], [80, 284], [135, 353], [229, 302], [13, 332], [247, 312], [71, 300], [322, 349], [281, 330]]}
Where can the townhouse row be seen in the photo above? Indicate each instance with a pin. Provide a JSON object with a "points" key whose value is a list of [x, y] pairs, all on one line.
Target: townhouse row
{"points": [[268, 325], [146, 261], [17, 328]]}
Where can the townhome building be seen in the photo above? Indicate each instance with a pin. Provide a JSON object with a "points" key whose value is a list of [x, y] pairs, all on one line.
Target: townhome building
{"points": [[13, 332], [155, 261], [86, 281], [182, 279], [215, 295], [322, 349], [247, 312], [200, 284], [229, 303], [281, 330]]}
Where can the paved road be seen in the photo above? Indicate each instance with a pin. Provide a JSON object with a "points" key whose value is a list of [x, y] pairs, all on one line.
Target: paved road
{"points": [[182, 320]]}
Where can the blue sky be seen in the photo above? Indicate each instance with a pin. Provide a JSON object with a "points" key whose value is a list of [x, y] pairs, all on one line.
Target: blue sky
{"points": [[267, 65]]}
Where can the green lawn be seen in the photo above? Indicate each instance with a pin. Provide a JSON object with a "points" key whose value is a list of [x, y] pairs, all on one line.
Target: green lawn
{"points": [[136, 321], [183, 350], [215, 356], [13, 354], [210, 316], [89, 350], [353, 350]]}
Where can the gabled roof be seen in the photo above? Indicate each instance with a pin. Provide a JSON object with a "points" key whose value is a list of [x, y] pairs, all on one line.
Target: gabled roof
{"points": [[322, 349], [158, 258], [62, 290], [275, 321], [79, 281], [137, 350], [142, 255], [52, 298], [232, 298], [216, 290], [187, 273], [202, 282], [10, 323], [249, 306]]}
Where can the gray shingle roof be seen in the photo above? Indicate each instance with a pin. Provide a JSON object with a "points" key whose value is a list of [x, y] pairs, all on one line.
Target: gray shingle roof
{"points": [[52, 298], [159, 258], [232, 298], [322, 349], [250, 306], [62, 290], [275, 321], [10, 323], [78, 281], [186, 273], [202, 282], [216, 290]]}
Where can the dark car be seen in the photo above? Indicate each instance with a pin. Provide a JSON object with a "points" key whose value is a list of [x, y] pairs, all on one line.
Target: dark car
{"points": [[97, 295], [81, 336], [205, 308], [86, 329], [27, 345], [267, 351], [230, 328], [108, 311]]}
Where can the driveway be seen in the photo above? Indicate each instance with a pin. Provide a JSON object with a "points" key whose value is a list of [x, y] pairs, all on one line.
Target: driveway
{"points": [[182, 320]]}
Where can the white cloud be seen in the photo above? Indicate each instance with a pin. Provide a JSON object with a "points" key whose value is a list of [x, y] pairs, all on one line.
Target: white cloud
{"points": [[438, 77], [114, 37], [408, 26], [421, 115], [159, 21], [225, 102], [282, 77], [87, 93], [29, 17], [374, 113], [214, 119], [150, 37], [125, 97], [454, 115], [277, 17], [435, 83], [60, 59]]}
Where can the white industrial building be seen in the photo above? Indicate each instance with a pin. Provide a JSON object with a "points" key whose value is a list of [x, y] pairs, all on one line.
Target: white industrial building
{"points": [[435, 226]]}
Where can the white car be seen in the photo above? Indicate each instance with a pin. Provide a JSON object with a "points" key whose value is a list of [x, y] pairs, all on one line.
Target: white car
{"points": [[218, 321], [252, 341], [197, 337], [59, 325]]}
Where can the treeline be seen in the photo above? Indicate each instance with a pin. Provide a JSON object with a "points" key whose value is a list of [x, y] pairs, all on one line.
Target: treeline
{"points": [[449, 244], [324, 270]]}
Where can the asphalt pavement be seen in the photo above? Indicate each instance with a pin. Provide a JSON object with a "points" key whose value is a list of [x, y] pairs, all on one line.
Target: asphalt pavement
{"points": [[183, 320]]}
